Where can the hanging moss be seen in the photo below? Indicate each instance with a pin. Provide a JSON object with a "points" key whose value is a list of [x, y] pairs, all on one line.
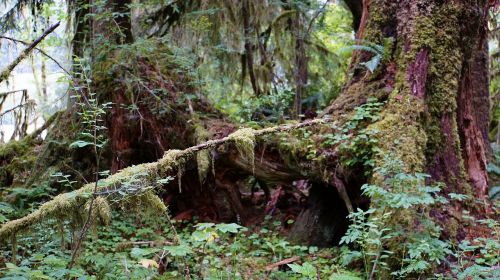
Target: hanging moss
{"points": [[101, 211], [244, 139], [202, 157], [153, 202], [175, 159]]}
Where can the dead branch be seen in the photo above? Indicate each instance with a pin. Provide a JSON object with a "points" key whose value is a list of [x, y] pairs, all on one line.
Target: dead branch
{"points": [[47, 123], [283, 262], [22, 105], [5, 73], [38, 49], [4, 94]]}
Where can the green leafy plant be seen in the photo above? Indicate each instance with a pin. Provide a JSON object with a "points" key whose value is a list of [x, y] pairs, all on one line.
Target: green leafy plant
{"points": [[356, 142], [376, 50], [397, 205], [5, 210], [92, 114], [306, 269], [479, 258]]}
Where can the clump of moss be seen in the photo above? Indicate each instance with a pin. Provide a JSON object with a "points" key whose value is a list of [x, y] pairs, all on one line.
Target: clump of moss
{"points": [[171, 158], [403, 136], [203, 156], [381, 13], [100, 211], [174, 159], [153, 202], [17, 158], [244, 139]]}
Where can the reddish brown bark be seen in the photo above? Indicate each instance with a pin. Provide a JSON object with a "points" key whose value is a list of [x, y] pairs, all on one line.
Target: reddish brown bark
{"points": [[120, 131], [364, 19], [417, 74], [301, 65], [473, 121]]}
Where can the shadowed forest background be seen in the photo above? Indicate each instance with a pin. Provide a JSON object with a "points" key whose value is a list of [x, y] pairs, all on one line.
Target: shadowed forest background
{"points": [[249, 139]]}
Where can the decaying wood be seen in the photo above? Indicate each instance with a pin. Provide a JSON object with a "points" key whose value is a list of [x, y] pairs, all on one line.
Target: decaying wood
{"points": [[282, 262], [6, 72], [343, 193]]}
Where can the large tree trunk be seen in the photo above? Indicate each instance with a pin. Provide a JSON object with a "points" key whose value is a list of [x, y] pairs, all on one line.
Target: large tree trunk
{"points": [[434, 78]]}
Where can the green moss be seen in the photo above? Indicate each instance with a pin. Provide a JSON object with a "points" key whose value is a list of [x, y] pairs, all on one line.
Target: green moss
{"points": [[440, 33], [452, 227], [153, 202], [14, 148], [174, 159], [244, 139], [381, 12], [202, 157], [413, 128], [20, 158], [402, 137], [101, 212]]}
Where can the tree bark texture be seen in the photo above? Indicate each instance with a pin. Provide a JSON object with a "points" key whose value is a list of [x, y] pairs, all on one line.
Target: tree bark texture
{"points": [[433, 76]]}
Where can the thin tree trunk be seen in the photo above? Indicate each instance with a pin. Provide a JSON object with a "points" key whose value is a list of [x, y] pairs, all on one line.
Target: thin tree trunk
{"points": [[300, 65], [44, 80], [247, 33]]}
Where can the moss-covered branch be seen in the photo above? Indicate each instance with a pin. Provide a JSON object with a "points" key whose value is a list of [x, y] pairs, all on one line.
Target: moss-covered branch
{"points": [[39, 50], [147, 175], [6, 72]]}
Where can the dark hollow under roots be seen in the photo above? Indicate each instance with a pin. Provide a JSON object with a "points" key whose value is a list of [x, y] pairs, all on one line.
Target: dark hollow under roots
{"points": [[318, 212]]}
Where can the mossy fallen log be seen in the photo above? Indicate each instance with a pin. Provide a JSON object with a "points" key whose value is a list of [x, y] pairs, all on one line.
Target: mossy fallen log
{"points": [[144, 176]]}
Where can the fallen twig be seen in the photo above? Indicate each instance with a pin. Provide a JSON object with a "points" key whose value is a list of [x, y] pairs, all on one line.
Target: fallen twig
{"points": [[282, 262]]}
